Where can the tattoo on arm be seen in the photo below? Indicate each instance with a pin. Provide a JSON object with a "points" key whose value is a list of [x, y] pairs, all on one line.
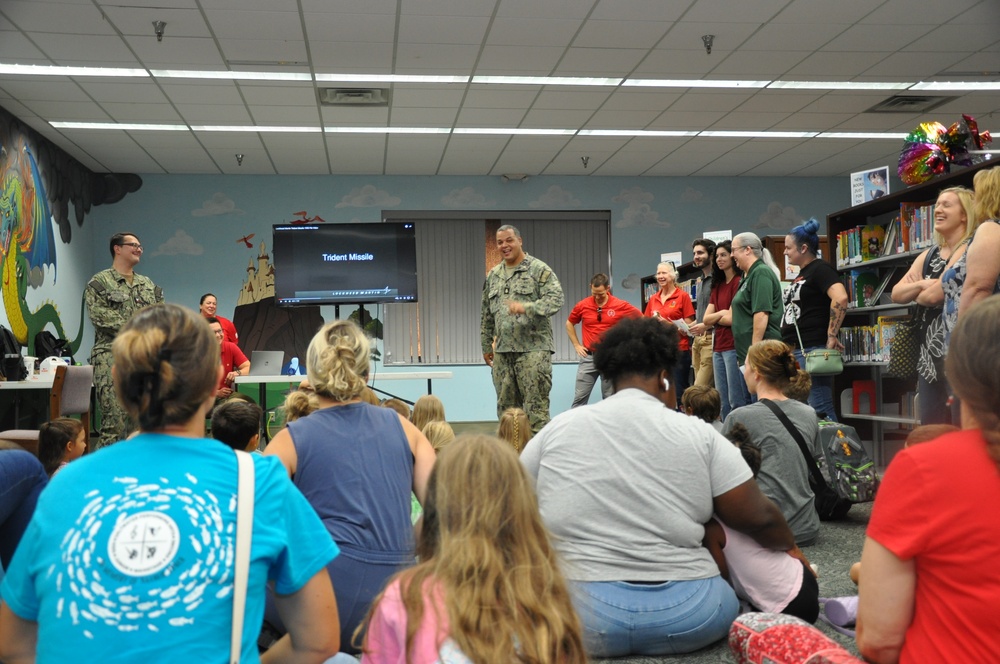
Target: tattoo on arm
{"points": [[837, 313]]}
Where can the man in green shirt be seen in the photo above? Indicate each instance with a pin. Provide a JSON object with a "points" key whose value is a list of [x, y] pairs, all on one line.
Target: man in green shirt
{"points": [[756, 308], [112, 296]]}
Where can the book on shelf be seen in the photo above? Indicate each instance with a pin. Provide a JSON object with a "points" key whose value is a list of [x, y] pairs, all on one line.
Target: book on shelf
{"points": [[863, 283], [873, 299], [872, 238], [917, 220], [886, 332]]}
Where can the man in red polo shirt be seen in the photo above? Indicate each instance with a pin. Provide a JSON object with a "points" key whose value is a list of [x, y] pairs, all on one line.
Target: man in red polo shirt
{"points": [[234, 362], [597, 313]]}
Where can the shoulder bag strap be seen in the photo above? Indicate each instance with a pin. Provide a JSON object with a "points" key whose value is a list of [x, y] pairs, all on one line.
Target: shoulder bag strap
{"points": [[797, 435], [244, 532], [789, 313]]}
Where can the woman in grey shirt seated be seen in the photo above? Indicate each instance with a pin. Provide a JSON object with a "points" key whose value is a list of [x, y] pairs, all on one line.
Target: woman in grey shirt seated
{"points": [[625, 486], [784, 476]]}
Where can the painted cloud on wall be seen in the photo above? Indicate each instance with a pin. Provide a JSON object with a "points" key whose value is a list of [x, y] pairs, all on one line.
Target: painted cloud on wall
{"points": [[782, 217], [637, 211], [180, 243], [555, 197], [691, 195], [218, 204], [369, 196], [465, 198]]}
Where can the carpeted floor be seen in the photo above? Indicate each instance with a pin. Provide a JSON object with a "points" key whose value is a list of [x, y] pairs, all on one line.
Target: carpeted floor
{"points": [[838, 548]]}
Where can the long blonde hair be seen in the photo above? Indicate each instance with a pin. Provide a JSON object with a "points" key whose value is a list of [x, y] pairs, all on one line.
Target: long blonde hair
{"points": [[427, 408], [515, 428], [483, 545], [987, 184]]}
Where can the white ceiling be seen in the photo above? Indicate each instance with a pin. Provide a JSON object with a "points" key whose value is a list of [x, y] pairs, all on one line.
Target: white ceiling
{"points": [[800, 40]]}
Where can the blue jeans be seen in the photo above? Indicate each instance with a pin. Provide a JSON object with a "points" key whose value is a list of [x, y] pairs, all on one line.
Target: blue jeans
{"points": [[821, 394], [682, 375], [729, 382], [933, 404], [670, 618], [22, 478]]}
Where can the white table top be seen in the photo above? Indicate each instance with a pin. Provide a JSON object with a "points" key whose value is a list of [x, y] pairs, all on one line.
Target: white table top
{"points": [[36, 383], [396, 375]]}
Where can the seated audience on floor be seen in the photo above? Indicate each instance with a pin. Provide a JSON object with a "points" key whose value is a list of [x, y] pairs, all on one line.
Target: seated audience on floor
{"points": [[800, 388], [439, 433], [703, 402], [298, 403], [367, 395], [22, 478], [60, 441], [488, 586], [399, 406], [930, 578], [515, 428], [625, 486], [784, 476], [236, 423], [356, 465], [771, 581], [427, 408], [150, 525]]}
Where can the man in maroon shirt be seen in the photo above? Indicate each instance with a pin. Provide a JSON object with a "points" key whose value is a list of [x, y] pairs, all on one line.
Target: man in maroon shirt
{"points": [[597, 313]]}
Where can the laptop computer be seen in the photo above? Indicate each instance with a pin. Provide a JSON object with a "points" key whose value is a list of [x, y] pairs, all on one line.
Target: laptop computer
{"points": [[266, 362]]}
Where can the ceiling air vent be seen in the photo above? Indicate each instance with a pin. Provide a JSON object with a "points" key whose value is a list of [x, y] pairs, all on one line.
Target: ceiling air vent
{"points": [[909, 104], [354, 96]]}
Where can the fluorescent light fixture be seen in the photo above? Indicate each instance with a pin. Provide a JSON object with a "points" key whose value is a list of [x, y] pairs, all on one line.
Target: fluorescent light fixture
{"points": [[757, 134], [546, 80], [513, 131], [838, 85], [861, 134], [390, 78], [48, 70], [121, 126], [255, 128], [387, 130], [690, 83], [233, 75], [634, 132], [956, 85]]}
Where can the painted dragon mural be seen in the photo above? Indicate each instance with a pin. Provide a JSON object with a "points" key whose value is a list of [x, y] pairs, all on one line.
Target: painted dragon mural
{"points": [[39, 184]]}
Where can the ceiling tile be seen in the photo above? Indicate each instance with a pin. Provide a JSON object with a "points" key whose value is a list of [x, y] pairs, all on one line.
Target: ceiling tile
{"points": [[834, 65], [351, 57], [785, 37], [728, 36], [413, 155], [450, 7], [685, 120], [214, 114], [356, 154], [811, 12], [15, 47], [203, 92], [640, 10], [112, 90], [354, 116], [97, 50], [711, 101], [300, 162], [184, 161], [775, 100], [874, 37], [677, 63], [138, 22], [556, 119], [724, 12], [555, 98], [505, 96], [547, 9], [448, 59], [263, 50], [300, 116], [461, 162], [522, 31], [145, 113], [350, 6], [253, 26], [490, 117], [600, 61], [442, 29], [177, 53], [66, 18], [29, 88], [913, 66], [278, 95], [634, 99], [424, 117], [607, 34], [605, 119], [518, 60], [341, 27], [760, 65], [756, 121], [812, 122], [929, 12], [68, 111], [426, 96]]}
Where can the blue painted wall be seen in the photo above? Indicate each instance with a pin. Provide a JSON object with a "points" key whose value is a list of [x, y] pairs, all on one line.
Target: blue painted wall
{"points": [[191, 227]]}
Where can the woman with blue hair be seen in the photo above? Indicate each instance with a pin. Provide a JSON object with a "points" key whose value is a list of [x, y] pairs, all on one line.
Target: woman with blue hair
{"points": [[816, 302]]}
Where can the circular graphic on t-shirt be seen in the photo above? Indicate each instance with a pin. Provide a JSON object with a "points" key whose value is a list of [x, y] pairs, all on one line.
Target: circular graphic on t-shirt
{"points": [[144, 543]]}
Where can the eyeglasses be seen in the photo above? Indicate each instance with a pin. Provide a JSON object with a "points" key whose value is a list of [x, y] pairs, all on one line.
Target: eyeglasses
{"points": [[134, 245], [599, 310]]}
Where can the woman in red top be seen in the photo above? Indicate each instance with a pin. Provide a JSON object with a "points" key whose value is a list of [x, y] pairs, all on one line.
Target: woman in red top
{"points": [[728, 379], [670, 304]]}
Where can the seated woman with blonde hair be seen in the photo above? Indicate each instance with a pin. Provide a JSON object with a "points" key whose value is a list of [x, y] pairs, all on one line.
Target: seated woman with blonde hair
{"points": [[427, 408], [930, 579], [515, 428], [488, 587], [356, 464]]}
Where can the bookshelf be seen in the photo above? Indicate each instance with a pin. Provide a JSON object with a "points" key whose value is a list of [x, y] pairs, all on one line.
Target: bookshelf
{"points": [[686, 274], [894, 403]]}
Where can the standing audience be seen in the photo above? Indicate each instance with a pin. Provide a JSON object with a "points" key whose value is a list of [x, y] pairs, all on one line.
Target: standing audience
{"points": [[356, 465], [930, 579], [130, 554], [756, 307], [976, 275], [954, 221], [701, 338], [625, 486], [815, 305], [488, 586], [718, 318], [784, 475], [670, 304]]}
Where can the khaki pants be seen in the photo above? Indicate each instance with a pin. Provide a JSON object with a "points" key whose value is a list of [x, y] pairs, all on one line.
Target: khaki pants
{"points": [[701, 360]]}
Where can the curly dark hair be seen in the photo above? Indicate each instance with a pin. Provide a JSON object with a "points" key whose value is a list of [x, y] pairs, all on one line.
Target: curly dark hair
{"points": [[636, 347]]}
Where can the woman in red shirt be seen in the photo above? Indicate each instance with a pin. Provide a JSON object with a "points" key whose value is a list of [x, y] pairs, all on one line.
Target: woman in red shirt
{"points": [[671, 304]]}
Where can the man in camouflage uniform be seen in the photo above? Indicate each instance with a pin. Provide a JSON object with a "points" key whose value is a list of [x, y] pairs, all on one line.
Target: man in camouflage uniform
{"points": [[520, 296], [112, 296]]}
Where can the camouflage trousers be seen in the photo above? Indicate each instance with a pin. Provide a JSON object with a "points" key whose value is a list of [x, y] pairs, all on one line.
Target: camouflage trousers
{"points": [[524, 380], [116, 425], [701, 360]]}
